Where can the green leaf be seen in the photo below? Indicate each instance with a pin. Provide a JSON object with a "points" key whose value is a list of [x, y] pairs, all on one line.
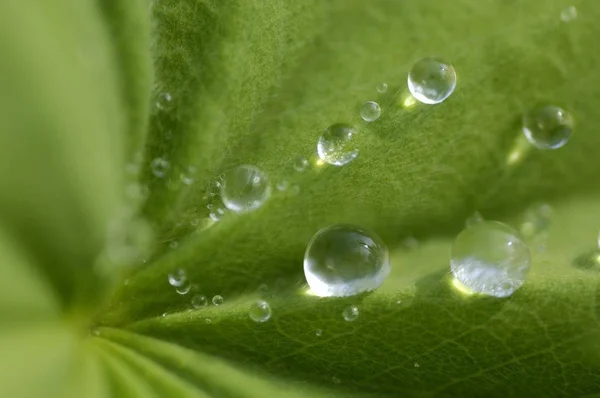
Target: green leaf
{"points": [[256, 82]]}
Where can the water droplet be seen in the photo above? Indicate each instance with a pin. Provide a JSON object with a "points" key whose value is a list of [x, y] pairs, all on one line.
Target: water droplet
{"points": [[217, 213], [244, 189], [474, 219], [174, 244], [382, 88], [370, 111], [350, 313], [164, 101], [344, 260], [283, 185], [336, 146], [336, 380], [164, 314], [159, 167], [186, 178], [431, 80], [536, 220], [410, 243], [300, 164], [177, 278], [208, 321], [416, 365], [195, 222], [184, 288], [568, 14], [490, 258], [199, 301], [548, 127], [217, 300], [263, 288], [260, 311], [318, 332]]}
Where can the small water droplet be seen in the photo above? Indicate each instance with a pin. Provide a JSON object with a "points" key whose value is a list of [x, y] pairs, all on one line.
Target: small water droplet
{"points": [[217, 300], [164, 101], [410, 243], [184, 288], [244, 189], [199, 301], [318, 332], [177, 278], [283, 185], [431, 80], [208, 321], [536, 220], [490, 258], [262, 289], [344, 260], [336, 380], [188, 177], [260, 311], [350, 313], [96, 332], [217, 213], [474, 219], [195, 222], [382, 88], [159, 167], [164, 314], [548, 127], [300, 164], [173, 244], [417, 365], [336, 146], [568, 14], [370, 111]]}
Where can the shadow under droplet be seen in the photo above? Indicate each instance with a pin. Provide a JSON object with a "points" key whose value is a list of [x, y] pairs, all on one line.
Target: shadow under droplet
{"points": [[588, 261]]}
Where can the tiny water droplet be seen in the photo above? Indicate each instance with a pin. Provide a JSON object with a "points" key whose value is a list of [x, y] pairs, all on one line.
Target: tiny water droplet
{"points": [[336, 380], [417, 365], [344, 260], [199, 301], [164, 314], [208, 321], [548, 127], [188, 177], [336, 146], [350, 313], [184, 288], [319, 332], [174, 244], [195, 222], [431, 80], [536, 220], [474, 219], [490, 258], [568, 14], [283, 185], [217, 300], [370, 111], [177, 278], [260, 311], [263, 288], [244, 189], [300, 164], [159, 167], [410, 243], [382, 88], [164, 101]]}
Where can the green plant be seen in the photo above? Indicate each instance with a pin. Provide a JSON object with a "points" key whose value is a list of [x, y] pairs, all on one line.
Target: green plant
{"points": [[256, 81]]}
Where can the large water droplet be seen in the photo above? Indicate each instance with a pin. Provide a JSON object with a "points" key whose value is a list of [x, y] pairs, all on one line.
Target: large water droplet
{"points": [[548, 127], [431, 80], [370, 111], [344, 260], [260, 311], [336, 146], [217, 299], [177, 278], [159, 167], [490, 258], [245, 188], [350, 313]]}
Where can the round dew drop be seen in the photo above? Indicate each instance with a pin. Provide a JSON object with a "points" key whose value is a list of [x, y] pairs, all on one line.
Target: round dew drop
{"points": [[370, 111], [184, 288], [336, 146], [300, 164], [344, 260], [382, 88], [217, 300], [260, 311], [431, 80], [245, 188], [490, 258], [177, 278], [159, 167], [548, 127], [199, 301], [351, 313]]}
